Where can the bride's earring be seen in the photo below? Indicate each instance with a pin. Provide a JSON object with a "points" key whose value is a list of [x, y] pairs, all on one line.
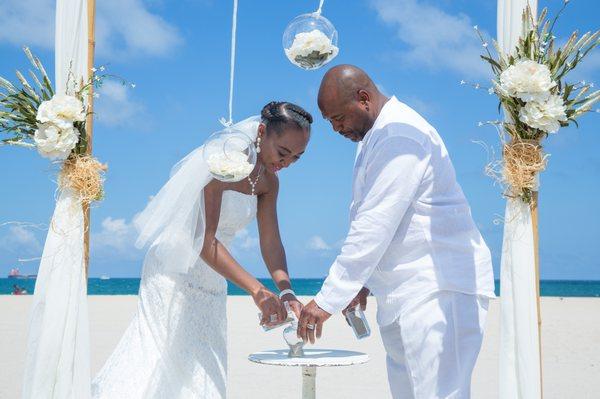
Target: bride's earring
{"points": [[258, 139]]}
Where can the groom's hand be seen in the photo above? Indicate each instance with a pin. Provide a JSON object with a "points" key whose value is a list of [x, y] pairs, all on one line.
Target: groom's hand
{"points": [[311, 321], [360, 299]]}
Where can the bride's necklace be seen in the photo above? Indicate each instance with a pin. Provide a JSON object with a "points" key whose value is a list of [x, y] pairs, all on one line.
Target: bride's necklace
{"points": [[253, 183]]}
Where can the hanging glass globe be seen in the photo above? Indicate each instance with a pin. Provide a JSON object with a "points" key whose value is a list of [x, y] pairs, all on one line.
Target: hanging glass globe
{"points": [[310, 41], [230, 155]]}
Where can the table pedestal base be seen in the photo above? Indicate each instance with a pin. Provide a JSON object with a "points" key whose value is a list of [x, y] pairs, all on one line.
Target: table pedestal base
{"points": [[312, 359], [309, 378]]}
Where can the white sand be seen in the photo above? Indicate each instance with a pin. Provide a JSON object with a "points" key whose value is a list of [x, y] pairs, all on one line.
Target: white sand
{"points": [[571, 344]]}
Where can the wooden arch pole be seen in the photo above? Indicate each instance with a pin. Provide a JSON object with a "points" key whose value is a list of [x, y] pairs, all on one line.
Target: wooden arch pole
{"points": [[89, 123], [536, 248]]}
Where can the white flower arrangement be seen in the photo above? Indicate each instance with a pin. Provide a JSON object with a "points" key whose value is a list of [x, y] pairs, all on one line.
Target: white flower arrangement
{"points": [[311, 49], [54, 142], [56, 136], [230, 166], [546, 115], [34, 116], [536, 99], [527, 80], [61, 109], [530, 83]]}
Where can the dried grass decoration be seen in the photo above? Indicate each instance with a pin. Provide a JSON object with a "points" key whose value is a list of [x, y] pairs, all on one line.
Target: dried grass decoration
{"points": [[84, 175], [523, 160]]}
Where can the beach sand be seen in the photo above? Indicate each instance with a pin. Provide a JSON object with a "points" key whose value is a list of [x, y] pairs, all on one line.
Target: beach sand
{"points": [[571, 350]]}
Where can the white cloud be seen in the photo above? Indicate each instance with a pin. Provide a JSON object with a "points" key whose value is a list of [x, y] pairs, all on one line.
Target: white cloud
{"points": [[434, 38], [244, 240], [20, 240], [317, 243], [127, 27], [24, 236], [117, 238], [29, 22], [124, 28], [115, 107]]}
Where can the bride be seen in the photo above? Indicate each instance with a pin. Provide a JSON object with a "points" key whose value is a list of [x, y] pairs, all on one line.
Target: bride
{"points": [[175, 346]]}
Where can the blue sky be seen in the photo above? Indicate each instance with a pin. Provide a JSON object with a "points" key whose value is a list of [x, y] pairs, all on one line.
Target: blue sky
{"points": [[177, 53]]}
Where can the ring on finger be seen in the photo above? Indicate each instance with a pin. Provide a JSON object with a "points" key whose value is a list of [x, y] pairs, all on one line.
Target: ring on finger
{"points": [[310, 326], [273, 318]]}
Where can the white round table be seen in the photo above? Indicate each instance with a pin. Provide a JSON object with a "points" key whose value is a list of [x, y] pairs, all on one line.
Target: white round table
{"points": [[312, 359]]}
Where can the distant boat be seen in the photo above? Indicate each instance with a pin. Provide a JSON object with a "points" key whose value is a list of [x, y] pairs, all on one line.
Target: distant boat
{"points": [[15, 273], [104, 277]]}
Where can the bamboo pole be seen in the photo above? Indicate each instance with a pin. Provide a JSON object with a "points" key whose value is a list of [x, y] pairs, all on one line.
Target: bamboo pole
{"points": [[536, 248], [89, 123]]}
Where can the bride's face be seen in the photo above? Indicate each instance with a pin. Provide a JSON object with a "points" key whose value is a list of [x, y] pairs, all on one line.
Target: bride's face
{"points": [[280, 150]]}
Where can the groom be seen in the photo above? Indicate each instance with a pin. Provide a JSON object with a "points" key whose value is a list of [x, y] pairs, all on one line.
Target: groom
{"points": [[412, 242]]}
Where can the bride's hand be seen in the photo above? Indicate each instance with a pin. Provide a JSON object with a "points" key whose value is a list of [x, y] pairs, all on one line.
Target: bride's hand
{"points": [[294, 304], [269, 304]]}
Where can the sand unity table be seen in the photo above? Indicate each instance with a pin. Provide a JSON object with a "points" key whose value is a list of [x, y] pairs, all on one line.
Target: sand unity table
{"points": [[312, 359]]}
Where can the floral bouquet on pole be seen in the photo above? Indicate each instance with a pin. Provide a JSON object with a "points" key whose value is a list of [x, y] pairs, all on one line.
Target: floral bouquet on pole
{"points": [[35, 116], [531, 84]]}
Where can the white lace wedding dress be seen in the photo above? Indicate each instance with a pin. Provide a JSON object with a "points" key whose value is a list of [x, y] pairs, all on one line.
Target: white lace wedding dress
{"points": [[176, 344]]}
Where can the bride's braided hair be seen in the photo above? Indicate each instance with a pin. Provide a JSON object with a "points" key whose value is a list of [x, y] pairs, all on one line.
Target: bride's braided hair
{"points": [[277, 114]]}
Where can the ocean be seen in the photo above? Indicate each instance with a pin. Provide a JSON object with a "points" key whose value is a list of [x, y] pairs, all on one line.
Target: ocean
{"points": [[130, 286]]}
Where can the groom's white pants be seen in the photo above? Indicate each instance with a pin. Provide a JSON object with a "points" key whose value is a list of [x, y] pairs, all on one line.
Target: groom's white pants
{"points": [[432, 348]]}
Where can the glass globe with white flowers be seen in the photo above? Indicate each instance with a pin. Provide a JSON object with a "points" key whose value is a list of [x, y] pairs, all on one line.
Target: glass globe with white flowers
{"points": [[310, 41], [230, 154]]}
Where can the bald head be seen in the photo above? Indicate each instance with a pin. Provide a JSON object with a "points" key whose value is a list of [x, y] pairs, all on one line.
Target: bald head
{"points": [[350, 100], [343, 82]]}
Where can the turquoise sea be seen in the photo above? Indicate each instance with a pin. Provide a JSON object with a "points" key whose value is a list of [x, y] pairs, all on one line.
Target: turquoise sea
{"points": [[130, 286]]}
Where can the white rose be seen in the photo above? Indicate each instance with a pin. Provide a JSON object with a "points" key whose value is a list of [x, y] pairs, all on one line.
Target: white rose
{"points": [[305, 43], [61, 110], [527, 80], [233, 165], [544, 115], [53, 142]]}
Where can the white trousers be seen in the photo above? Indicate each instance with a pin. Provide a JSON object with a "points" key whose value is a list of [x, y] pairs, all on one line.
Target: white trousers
{"points": [[432, 349]]}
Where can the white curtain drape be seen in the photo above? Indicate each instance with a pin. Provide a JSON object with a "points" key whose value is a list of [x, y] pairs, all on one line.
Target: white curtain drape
{"points": [[519, 336], [58, 361]]}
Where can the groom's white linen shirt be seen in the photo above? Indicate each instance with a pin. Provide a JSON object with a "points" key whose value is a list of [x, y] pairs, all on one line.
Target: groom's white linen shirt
{"points": [[411, 231]]}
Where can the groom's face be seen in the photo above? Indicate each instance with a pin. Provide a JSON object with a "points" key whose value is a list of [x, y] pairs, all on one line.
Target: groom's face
{"points": [[348, 117]]}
